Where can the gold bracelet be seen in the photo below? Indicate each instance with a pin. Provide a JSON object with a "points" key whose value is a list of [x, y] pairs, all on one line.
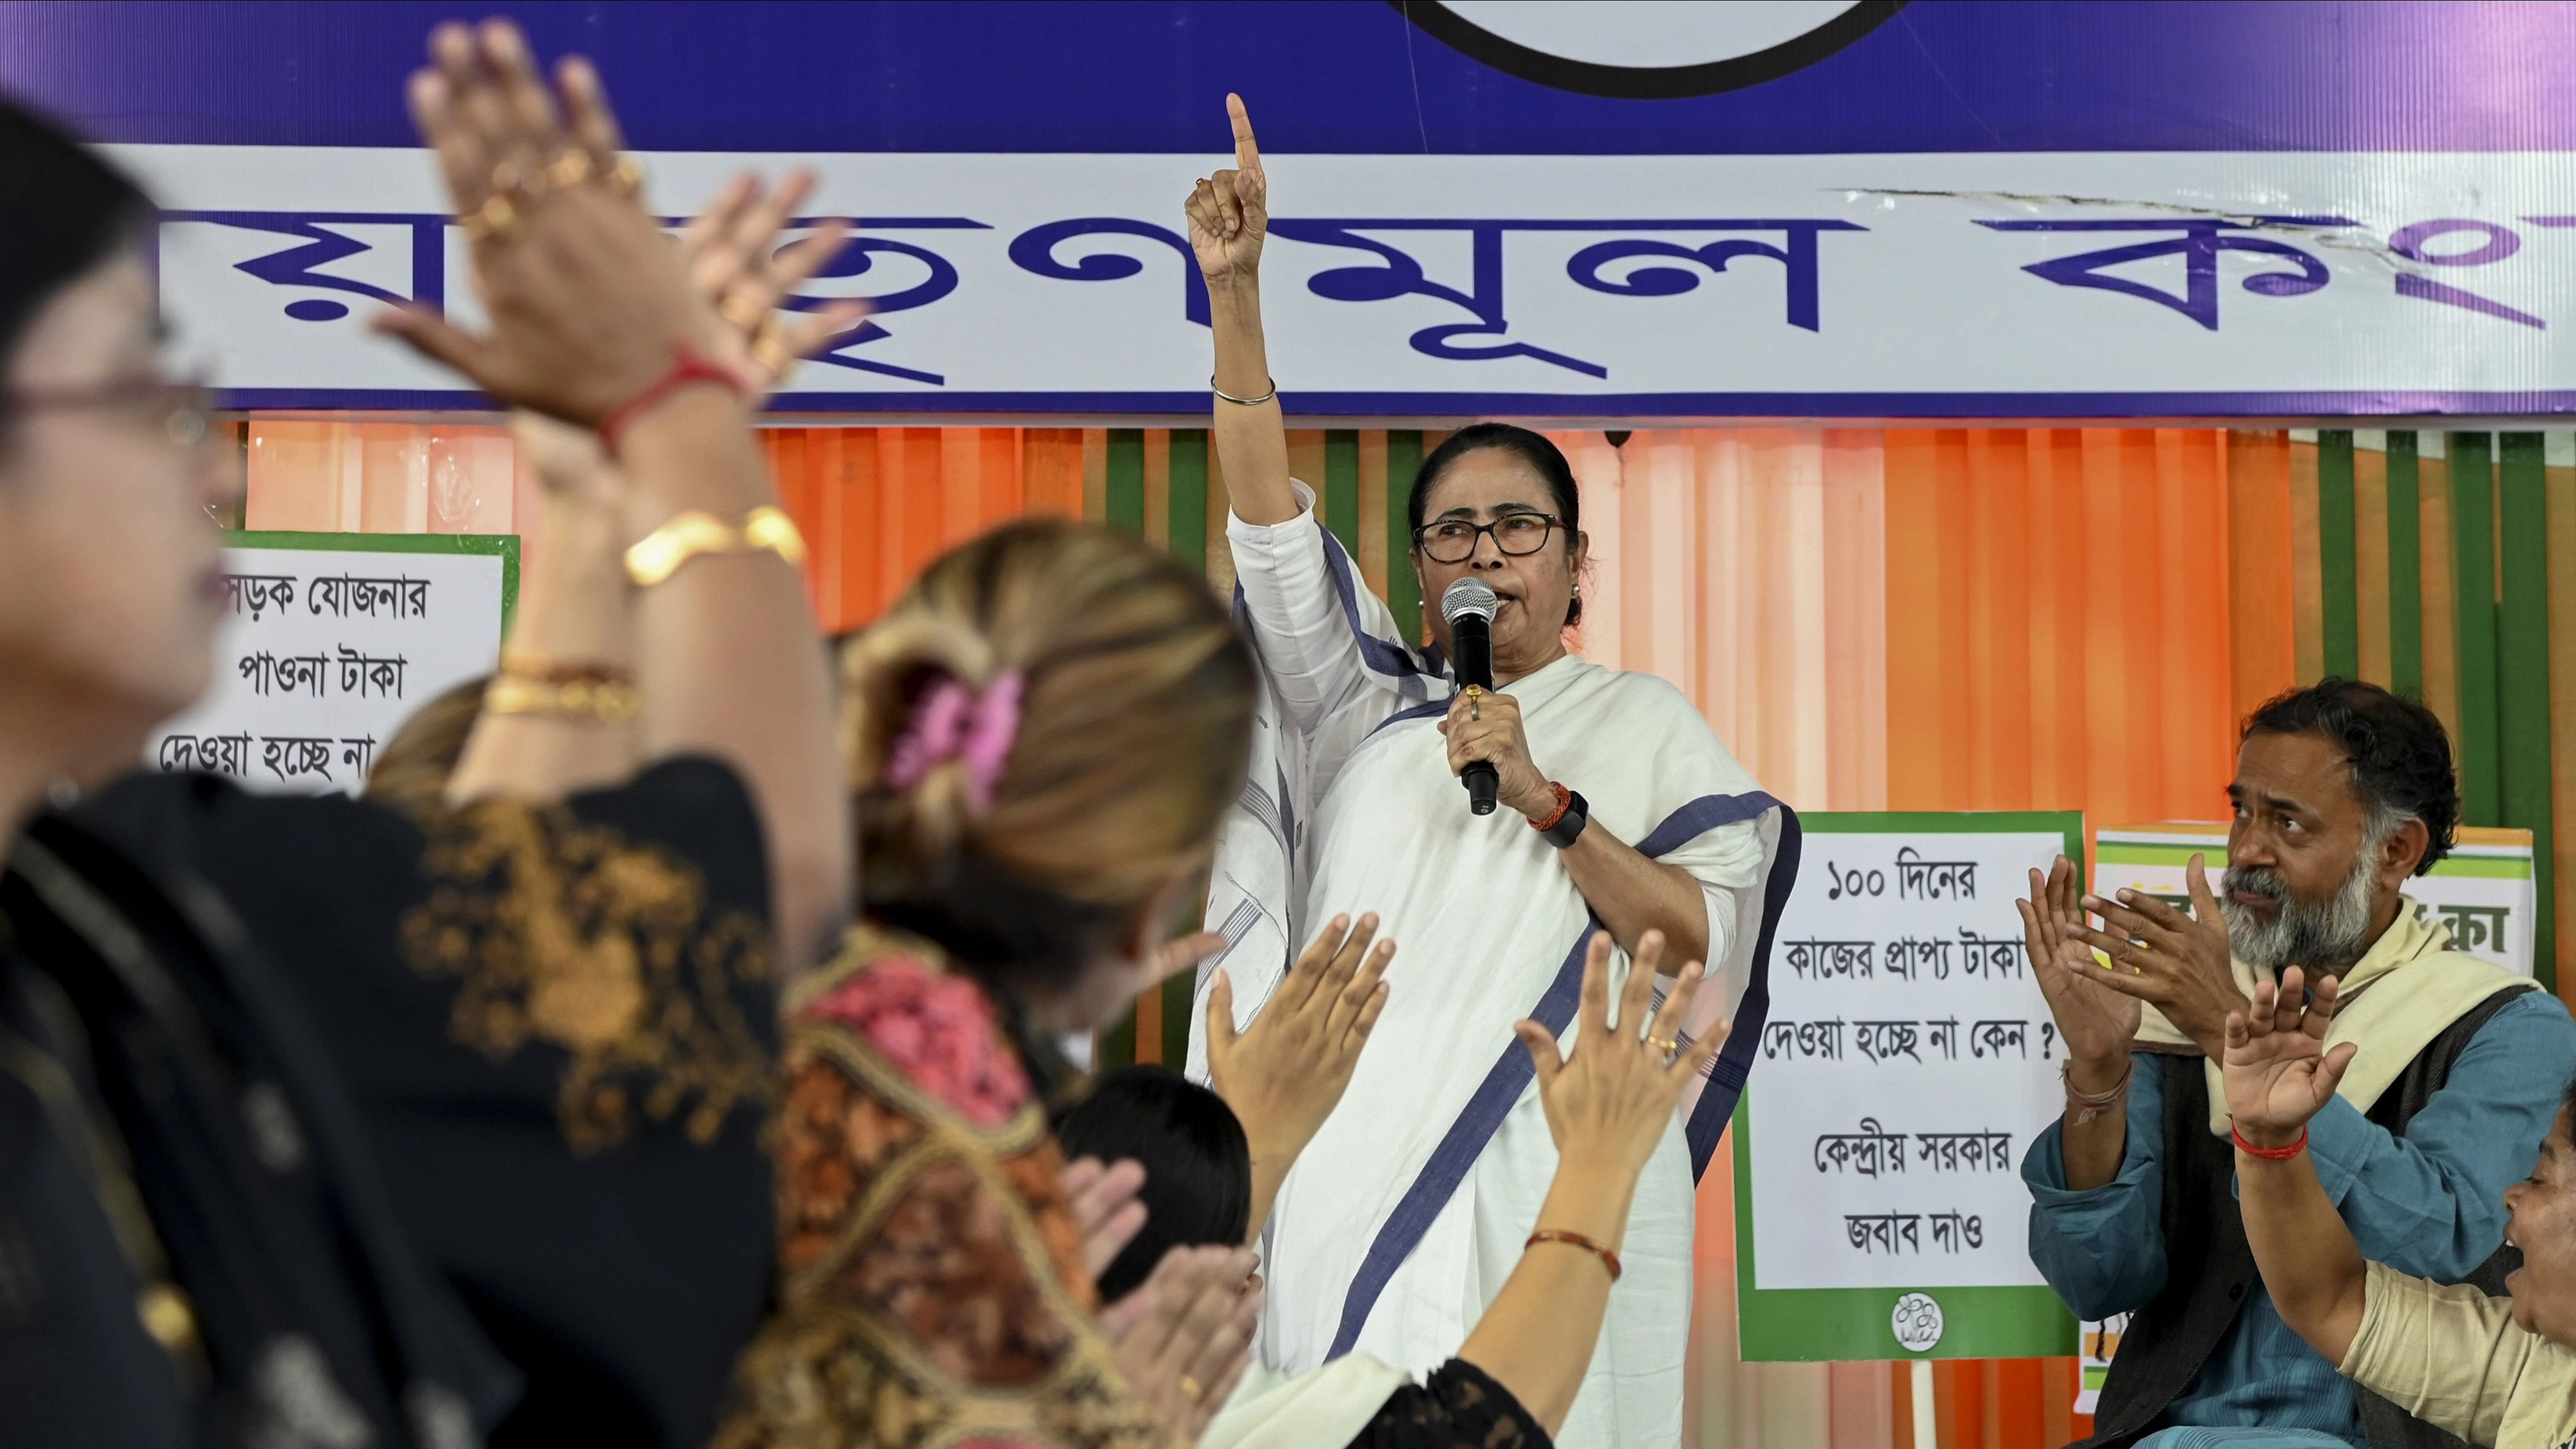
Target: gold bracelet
{"points": [[659, 554], [527, 665], [589, 701]]}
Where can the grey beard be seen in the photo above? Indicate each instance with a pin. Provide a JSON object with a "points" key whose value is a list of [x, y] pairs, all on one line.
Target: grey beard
{"points": [[2331, 934]]}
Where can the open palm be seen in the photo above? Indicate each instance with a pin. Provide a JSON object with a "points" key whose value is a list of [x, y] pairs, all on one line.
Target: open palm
{"points": [[2097, 1023], [2279, 1072]]}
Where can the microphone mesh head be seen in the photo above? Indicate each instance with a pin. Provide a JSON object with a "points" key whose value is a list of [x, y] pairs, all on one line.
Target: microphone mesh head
{"points": [[1469, 596]]}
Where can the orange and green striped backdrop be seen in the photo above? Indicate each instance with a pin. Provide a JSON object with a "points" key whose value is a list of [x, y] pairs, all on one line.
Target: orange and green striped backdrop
{"points": [[1952, 618]]}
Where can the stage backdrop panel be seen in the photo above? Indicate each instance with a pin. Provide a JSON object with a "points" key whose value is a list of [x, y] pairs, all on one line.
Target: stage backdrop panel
{"points": [[1907, 1063], [1546, 209], [329, 642], [2070, 284]]}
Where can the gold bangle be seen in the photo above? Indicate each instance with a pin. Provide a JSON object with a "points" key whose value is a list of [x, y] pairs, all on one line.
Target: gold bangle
{"points": [[594, 701], [659, 554], [525, 665]]}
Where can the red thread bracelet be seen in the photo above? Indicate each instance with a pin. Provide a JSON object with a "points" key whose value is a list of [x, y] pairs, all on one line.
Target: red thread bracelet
{"points": [[1609, 1260], [686, 367], [2269, 1154], [1564, 802]]}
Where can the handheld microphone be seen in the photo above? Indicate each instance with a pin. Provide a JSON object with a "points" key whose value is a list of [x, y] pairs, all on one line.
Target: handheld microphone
{"points": [[1469, 607]]}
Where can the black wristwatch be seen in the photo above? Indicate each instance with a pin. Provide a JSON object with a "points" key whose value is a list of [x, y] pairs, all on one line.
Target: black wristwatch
{"points": [[1570, 820]]}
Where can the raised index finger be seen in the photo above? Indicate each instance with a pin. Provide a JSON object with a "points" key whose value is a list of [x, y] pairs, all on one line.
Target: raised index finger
{"points": [[1247, 152]]}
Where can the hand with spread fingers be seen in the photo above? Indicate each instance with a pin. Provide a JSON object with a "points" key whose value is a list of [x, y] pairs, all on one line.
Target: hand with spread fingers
{"points": [[2177, 963], [1229, 213], [736, 266], [1611, 1099], [589, 303], [1182, 1341], [1283, 1074], [2098, 1024], [735, 262], [2279, 1070], [1106, 1209]]}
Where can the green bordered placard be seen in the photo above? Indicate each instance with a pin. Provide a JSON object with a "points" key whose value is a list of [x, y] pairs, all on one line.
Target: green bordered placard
{"points": [[504, 546], [1836, 1324]]}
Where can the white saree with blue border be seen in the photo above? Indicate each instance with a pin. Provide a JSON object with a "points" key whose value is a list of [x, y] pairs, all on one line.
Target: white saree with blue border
{"points": [[1409, 1210]]}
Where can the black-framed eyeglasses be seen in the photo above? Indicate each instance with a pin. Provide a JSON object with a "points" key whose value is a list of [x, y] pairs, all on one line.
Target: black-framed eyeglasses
{"points": [[1453, 540], [183, 409]]}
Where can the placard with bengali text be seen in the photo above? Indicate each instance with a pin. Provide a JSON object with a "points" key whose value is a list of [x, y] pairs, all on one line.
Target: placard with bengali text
{"points": [[1907, 1062], [329, 642]]}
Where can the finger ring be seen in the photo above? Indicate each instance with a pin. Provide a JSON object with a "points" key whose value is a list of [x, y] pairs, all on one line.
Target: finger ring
{"points": [[510, 179], [1191, 1389], [745, 314], [626, 178], [572, 168], [1664, 1044], [1475, 710], [494, 220], [770, 349]]}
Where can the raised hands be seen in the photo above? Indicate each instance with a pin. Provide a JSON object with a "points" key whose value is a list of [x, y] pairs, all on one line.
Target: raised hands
{"points": [[2178, 963], [735, 263], [2278, 1069], [1183, 1339], [1105, 1207], [1283, 1074], [1229, 212], [587, 300], [1610, 1101], [2098, 1024]]}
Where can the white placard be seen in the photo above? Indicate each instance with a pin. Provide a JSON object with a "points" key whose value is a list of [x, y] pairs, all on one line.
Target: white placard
{"points": [[1908, 1060], [325, 652]]}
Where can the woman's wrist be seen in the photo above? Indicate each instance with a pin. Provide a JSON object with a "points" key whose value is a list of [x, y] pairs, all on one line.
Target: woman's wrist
{"points": [[1591, 1196], [1536, 804], [692, 450]]}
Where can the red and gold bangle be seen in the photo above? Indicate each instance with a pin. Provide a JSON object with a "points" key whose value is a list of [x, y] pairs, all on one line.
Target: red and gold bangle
{"points": [[1609, 1260], [2269, 1154], [1564, 802], [687, 367]]}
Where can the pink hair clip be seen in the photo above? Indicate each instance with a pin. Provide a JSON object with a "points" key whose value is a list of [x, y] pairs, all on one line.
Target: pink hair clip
{"points": [[953, 722]]}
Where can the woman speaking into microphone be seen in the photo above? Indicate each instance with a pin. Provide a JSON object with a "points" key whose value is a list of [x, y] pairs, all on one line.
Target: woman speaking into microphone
{"points": [[1618, 810]]}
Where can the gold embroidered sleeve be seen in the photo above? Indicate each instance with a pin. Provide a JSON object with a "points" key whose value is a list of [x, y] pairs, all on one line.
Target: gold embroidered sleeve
{"points": [[571, 934], [926, 1300]]}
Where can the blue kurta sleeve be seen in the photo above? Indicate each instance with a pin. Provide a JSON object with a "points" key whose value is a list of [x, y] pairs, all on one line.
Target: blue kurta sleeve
{"points": [[2431, 1203], [2103, 1248]]}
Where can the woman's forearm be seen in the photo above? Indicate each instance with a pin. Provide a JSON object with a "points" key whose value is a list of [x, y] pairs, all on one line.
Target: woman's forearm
{"points": [[1251, 439], [1270, 1164], [2310, 1264], [1537, 1336], [1633, 895], [730, 662], [573, 611]]}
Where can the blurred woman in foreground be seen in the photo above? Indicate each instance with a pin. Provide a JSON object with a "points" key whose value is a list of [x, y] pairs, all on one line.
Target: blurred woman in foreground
{"points": [[326, 1124], [1041, 737]]}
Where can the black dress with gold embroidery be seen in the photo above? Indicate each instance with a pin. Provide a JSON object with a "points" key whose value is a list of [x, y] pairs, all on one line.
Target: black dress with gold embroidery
{"points": [[554, 1031]]}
